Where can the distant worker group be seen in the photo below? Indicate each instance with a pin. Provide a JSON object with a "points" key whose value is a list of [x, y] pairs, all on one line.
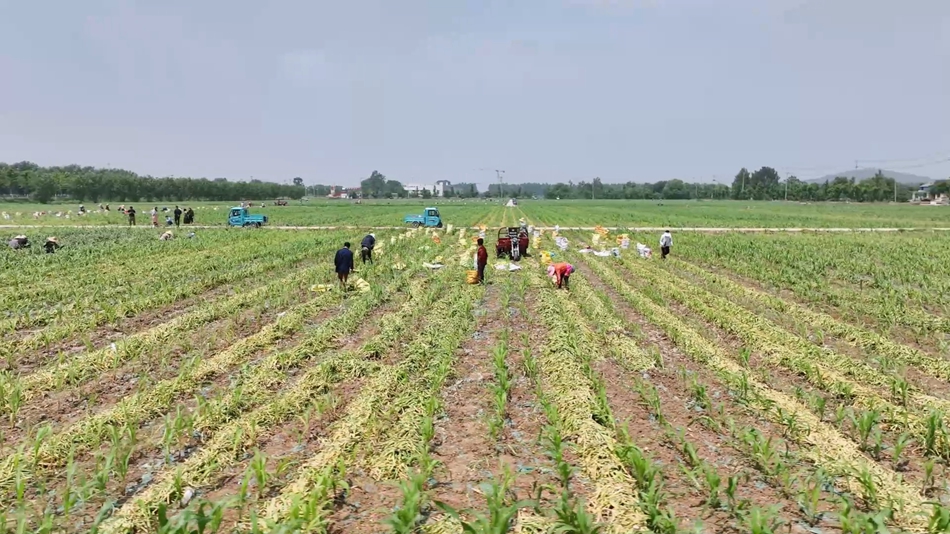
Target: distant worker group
{"points": [[188, 213], [21, 242]]}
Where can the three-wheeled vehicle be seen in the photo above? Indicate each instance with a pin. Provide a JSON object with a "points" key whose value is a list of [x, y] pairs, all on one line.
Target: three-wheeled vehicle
{"points": [[239, 216], [512, 243], [430, 218]]}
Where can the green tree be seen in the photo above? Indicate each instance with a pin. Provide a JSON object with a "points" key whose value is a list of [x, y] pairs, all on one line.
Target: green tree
{"points": [[44, 189]]}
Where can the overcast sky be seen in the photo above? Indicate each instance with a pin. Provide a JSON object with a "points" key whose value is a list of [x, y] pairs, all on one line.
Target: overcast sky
{"points": [[548, 90]]}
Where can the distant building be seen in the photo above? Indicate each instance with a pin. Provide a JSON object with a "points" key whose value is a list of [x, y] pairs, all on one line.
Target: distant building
{"points": [[442, 187], [438, 189], [341, 192], [925, 195]]}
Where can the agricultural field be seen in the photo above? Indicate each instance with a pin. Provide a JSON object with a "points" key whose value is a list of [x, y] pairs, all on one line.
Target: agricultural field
{"points": [[311, 213], [491, 212], [750, 383]]}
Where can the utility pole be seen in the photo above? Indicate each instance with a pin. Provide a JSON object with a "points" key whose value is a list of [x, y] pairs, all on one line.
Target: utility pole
{"points": [[501, 183], [895, 190], [787, 176], [592, 189]]}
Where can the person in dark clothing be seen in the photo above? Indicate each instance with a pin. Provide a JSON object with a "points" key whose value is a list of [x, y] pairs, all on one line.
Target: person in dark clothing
{"points": [[131, 213], [177, 214], [366, 248], [51, 245], [481, 259], [189, 216], [343, 263], [19, 242]]}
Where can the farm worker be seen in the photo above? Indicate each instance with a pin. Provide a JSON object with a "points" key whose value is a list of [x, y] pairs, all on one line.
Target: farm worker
{"points": [[177, 214], [666, 241], [343, 263], [366, 248], [560, 274], [166, 236], [189, 216], [51, 245], [18, 242], [131, 213], [154, 214], [481, 259]]}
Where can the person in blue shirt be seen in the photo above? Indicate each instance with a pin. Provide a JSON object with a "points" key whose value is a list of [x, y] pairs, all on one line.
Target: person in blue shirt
{"points": [[343, 263]]}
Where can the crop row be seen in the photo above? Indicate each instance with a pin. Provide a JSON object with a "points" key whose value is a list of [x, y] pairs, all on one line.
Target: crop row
{"points": [[870, 341], [911, 410], [820, 443], [404, 390], [54, 448], [228, 444], [884, 278], [81, 317], [14, 390]]}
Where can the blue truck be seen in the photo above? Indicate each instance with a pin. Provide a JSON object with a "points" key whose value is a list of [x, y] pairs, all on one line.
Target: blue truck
{"points": [[239, 216], [430, 218]]}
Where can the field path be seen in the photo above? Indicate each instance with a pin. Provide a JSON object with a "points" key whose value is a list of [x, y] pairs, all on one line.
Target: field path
{"points": [[710, 229]]}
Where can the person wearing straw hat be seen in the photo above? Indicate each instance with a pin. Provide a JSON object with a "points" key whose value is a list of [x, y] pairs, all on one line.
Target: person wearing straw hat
{"points": [[19, 241], [51, 245], [166, 236]]}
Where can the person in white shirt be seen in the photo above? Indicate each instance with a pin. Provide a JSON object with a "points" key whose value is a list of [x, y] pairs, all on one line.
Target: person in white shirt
{"points": [[666, 241]]}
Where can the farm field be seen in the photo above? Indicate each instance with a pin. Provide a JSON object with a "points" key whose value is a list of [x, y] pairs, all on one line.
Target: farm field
{"points": [[568, 213], [751, 383]]}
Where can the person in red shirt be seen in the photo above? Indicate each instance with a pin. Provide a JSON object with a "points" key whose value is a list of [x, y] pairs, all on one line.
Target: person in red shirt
{"points": [[561, 274], [481, 259]]}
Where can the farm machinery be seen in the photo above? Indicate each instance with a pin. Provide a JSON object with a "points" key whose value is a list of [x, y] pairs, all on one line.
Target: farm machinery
{"points": [[512, 243], [430, 218]]}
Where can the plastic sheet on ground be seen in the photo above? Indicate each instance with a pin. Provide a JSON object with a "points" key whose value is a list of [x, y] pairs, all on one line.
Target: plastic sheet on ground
{"points": [[502, 266], [561, 242], [428, 265]]}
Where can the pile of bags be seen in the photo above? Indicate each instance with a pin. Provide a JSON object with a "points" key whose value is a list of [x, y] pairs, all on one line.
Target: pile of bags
{"points": [[471, 277]]}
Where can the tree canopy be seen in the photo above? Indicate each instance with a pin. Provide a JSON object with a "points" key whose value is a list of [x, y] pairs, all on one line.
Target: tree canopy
{"points": [[43, 184]]}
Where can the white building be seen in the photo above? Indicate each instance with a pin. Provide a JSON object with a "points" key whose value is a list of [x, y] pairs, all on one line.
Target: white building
{"points": [[438, 189]]}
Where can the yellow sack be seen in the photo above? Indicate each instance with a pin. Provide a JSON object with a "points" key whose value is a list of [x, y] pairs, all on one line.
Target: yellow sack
{"points": [[321, 288], [545, 258], [595, 239], [471, 277]]}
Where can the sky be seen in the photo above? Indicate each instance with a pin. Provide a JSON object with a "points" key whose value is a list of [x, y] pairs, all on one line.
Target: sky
{"points": [[420, 90]]}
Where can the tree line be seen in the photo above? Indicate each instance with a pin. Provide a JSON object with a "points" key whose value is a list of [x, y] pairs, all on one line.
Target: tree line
{"points": [[81, 184], [43, 184]]}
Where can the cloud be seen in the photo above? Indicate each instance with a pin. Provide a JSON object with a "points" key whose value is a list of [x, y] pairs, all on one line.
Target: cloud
{"points": [[609, 4], [305, 66]]}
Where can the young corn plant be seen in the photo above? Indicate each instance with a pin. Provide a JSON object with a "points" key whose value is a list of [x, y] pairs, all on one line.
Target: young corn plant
{"points": [[570, 517], [408, 514], [502, 510], [762, 521], [809, 498], [713, 486]]}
